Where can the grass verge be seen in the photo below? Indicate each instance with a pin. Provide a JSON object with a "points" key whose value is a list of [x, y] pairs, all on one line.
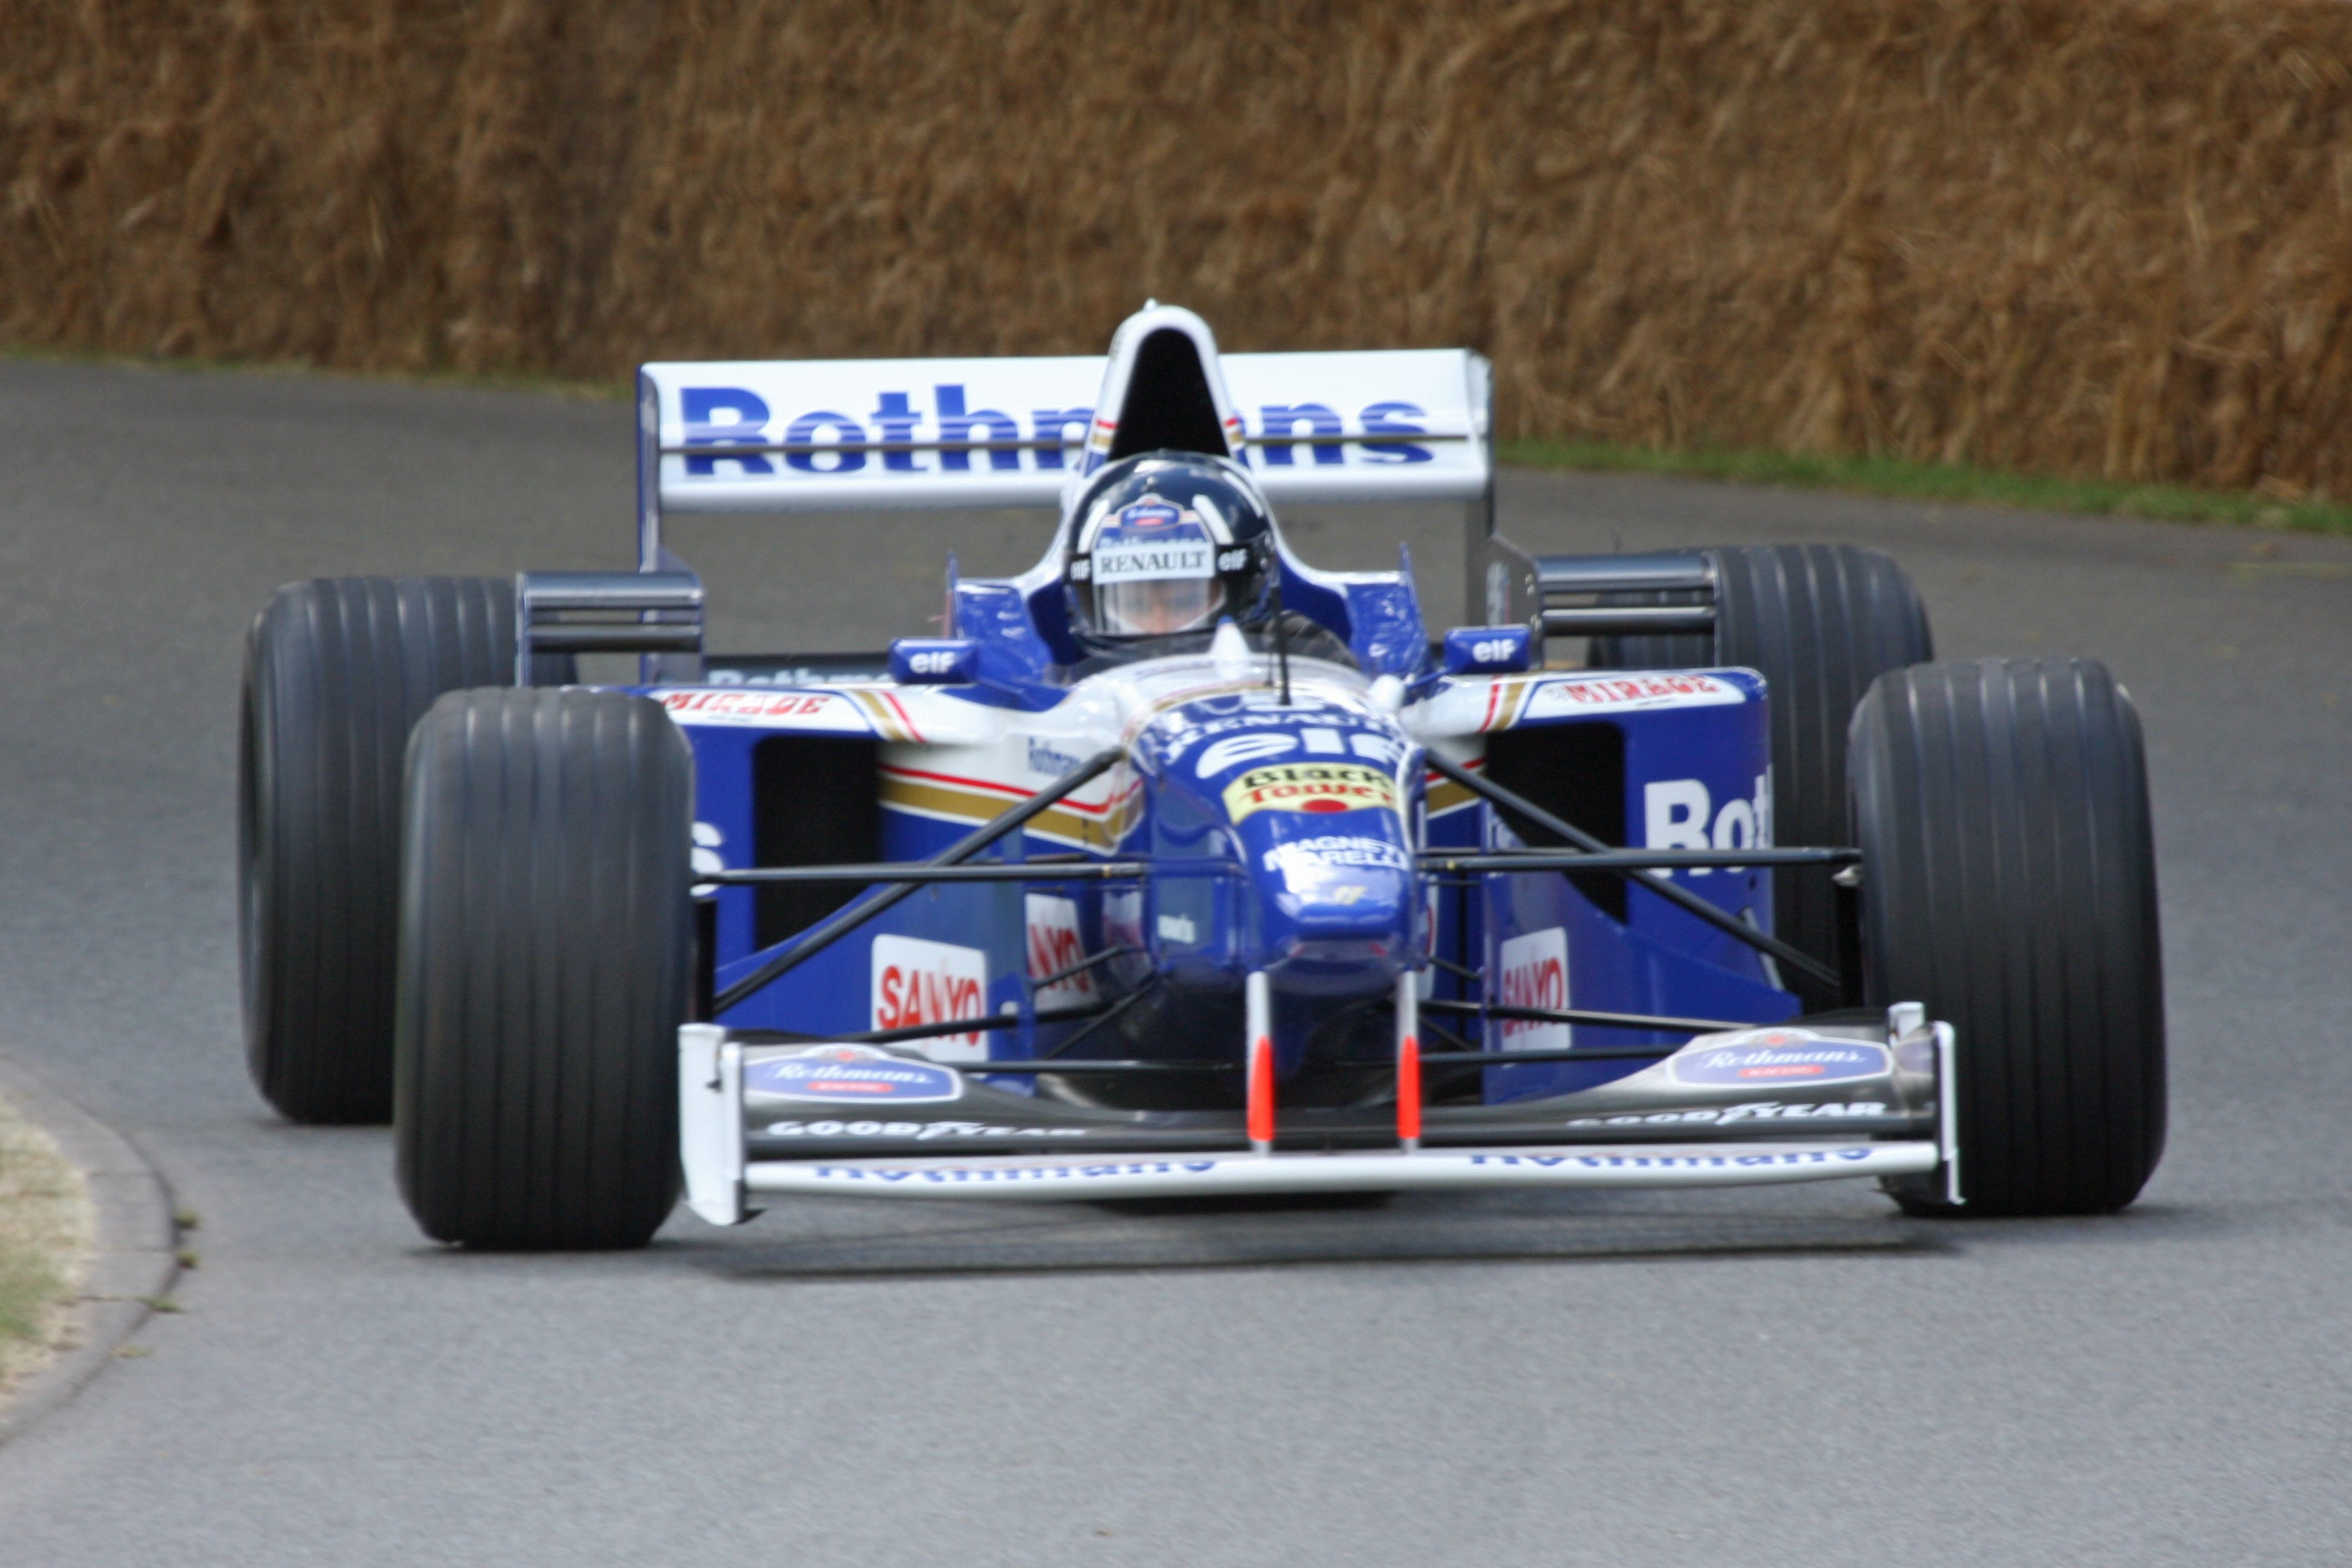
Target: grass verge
{"points": [[44, 1231], [1906, 479]]}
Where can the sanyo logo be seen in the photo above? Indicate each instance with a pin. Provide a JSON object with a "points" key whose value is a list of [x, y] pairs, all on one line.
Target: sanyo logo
{"points": [[1535, 975], [918, 982], [723, 416], [1055, 945], [1680, 813]]}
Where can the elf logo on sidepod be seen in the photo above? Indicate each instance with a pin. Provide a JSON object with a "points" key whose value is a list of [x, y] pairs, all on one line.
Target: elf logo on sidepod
{"points": [[1789, 1056], [850, 1075]]}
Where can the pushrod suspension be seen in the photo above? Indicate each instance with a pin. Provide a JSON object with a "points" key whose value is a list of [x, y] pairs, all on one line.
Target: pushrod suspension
{"points": [[1584, 1016], [976, 1025], [1046, 982], [905, 871], [1060, 1065], [826, 932], [1574, 1053], [1681, 898], [1632, 859]]}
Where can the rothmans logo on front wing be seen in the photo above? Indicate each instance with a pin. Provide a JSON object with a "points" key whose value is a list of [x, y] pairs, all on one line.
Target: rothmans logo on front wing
{"points": [[1779, 1055], [1311, 787], [850, 1075]]}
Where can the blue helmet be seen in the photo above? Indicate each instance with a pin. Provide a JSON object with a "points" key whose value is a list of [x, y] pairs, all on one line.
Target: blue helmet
{"points": [[1165, 543]]}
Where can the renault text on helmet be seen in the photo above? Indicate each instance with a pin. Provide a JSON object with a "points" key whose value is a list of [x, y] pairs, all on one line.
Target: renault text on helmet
{"points": [[1167, 542]]}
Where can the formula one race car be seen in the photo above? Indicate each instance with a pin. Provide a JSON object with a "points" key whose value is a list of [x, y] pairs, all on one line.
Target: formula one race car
{"points": [[1176, 866]]}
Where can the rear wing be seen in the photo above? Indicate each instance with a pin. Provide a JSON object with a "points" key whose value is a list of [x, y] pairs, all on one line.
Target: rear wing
{"points": [[1403, 425]]}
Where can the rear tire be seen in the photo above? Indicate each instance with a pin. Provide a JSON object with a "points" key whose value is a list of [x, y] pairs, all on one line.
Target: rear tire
{"points": [[1820, 623], [337, 670], [545, 963], [2009, 882]]}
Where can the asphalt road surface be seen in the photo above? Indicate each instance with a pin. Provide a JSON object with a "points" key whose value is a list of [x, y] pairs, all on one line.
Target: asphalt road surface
{"points": [[1780, 1376]]}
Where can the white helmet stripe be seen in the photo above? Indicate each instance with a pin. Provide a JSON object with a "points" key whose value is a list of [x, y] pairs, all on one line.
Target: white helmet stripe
{"points": [[1210, 513]]}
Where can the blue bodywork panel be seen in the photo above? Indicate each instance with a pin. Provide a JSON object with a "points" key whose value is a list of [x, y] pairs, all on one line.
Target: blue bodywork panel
{"points": [[1281, 837]]}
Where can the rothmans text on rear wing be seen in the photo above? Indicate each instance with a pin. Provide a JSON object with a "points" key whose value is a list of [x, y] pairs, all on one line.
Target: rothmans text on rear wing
{"points": [[1404, 424]]}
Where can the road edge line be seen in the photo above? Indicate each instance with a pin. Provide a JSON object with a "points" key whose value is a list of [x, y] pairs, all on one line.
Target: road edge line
{"points": [[135, 1244]]}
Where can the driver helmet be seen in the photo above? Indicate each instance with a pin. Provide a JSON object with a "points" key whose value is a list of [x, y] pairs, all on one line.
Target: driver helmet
{"points": [[1167, 542]]}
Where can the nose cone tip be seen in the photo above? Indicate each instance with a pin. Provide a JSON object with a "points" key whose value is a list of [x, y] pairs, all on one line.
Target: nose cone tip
{"points": [[1339, 900], [1364, 905], [1351, 934]]}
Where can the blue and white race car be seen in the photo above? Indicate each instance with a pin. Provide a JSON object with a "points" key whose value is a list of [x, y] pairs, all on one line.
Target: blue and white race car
{"points": [[1176, 866]]}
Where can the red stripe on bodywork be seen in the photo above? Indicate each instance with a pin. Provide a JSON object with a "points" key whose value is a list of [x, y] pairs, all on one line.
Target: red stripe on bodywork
{"points": [[1016, 790], [1013, 792], [1472, 766], [892, 699]]}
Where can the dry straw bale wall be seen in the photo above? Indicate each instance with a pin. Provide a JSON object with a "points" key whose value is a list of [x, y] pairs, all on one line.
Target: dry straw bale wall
{"points": [[2088, 235]]}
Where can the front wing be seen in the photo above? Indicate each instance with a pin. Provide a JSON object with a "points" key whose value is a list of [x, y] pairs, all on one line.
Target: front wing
{"points": [[1781, 1103]]}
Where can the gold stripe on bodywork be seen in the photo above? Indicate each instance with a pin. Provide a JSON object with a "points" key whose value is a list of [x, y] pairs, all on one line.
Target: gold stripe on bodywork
{"points": [[1515, 699], [974, 806], [1444, 795], [885, 718]]}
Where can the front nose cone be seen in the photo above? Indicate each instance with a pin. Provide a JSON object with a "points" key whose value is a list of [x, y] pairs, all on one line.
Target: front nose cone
{"points": [[1339, 906]]}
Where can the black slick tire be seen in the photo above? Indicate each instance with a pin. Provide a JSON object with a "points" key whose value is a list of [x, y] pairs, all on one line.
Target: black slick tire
{"points": [[1820, 623], [337, 670], [546, 933], [2009, 883]]}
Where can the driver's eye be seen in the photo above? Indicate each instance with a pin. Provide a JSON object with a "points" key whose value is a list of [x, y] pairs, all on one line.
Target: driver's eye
{"points": [[1159, 608]]}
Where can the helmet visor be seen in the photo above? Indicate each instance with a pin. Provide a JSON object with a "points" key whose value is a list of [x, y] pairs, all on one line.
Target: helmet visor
{"points": [[1159, 606]]}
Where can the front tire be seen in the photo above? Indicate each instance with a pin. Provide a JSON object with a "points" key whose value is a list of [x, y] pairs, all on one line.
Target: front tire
{"points": [[545, 964], [2009, 883], [337, 669]]}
